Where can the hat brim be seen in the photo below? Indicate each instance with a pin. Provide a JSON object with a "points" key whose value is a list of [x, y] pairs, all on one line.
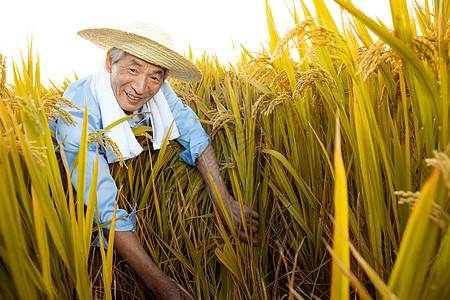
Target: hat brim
{"points": [[179, 67]]}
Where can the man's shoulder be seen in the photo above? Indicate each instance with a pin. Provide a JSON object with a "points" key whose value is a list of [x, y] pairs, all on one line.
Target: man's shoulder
{"points": [[78, 87], [168, 92], [79, 92]]}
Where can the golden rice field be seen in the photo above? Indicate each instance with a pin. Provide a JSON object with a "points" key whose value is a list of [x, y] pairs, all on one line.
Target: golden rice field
{"points": [[339, 140]]}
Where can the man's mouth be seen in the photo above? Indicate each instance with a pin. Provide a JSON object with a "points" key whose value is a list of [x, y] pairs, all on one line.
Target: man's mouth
{"points": [[133, 98]]}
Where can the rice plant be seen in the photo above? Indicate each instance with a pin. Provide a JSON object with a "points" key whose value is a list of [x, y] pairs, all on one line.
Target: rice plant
{"points": [[339, 141]]}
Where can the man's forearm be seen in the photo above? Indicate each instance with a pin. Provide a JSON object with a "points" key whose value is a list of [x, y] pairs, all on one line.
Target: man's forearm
{"points": [[207, 161], [129, 248], [244, 221]]}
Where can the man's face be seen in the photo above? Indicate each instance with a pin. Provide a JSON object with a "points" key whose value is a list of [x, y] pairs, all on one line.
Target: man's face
{"points": [[134, 81]]}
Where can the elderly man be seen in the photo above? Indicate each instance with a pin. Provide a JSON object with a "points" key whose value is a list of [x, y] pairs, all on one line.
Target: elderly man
{"points": [[130, 81]]}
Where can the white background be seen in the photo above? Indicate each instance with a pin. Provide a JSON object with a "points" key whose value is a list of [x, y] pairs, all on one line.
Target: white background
{"points": [[209, 26]]}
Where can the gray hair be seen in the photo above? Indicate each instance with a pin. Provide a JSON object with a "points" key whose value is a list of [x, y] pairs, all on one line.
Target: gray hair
{"points": [[116, 54]]}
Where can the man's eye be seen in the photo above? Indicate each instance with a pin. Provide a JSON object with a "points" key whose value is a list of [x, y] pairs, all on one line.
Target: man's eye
{"points": [[133, 70]]}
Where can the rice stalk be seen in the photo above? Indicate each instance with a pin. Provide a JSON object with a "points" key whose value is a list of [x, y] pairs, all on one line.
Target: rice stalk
{"points": [[340, 281], [2, 76]]}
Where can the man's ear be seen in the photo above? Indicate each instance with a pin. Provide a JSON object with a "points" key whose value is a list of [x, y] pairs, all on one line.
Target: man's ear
{"points": [[108, 62]]}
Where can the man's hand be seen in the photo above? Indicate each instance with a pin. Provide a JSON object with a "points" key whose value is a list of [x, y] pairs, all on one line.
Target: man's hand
{"points": [[207, 162], [251, 220]]}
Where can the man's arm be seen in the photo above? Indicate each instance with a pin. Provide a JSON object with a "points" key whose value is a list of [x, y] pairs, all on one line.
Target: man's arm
{"points": [[199, 152], [70, 136], [207, 162], [161, 285]]}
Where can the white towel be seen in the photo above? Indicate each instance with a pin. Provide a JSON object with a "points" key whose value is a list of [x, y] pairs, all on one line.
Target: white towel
{"points": [[162, 120], [161, 117]]}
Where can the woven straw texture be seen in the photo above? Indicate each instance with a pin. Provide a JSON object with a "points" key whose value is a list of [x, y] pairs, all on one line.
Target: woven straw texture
{"points": [[153, 47]]}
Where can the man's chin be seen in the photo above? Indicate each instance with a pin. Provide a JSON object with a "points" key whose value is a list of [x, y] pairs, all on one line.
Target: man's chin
{"points": [[130, 109], [128, 106]]}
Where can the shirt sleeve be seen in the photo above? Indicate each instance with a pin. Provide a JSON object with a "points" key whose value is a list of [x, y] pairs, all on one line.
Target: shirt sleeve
{"points": [[192, 135], [106, 187]]}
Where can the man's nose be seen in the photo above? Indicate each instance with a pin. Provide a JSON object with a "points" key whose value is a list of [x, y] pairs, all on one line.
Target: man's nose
{"points": [[140, 84]]}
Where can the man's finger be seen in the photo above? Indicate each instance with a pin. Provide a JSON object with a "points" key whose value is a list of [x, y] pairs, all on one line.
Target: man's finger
{"points": [[252, 222], [251, 214], [250, 228], [250, 240]]}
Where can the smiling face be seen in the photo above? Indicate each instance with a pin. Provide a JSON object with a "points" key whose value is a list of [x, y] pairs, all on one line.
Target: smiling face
{"points": [[134, 81]]}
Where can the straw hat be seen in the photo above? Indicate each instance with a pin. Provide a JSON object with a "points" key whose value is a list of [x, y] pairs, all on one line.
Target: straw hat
{"points": [[148, 42]]}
